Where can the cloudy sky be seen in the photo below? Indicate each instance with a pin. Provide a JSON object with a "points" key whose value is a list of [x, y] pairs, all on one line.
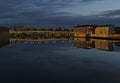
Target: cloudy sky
{"points": [[39, 13]]}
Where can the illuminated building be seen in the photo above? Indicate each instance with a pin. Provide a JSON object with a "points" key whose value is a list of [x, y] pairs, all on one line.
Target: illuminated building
{"points": [[103, 31], [83, 31]]}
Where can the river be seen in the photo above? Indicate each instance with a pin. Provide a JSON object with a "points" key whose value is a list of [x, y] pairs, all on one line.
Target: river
{"points": [[60, 61]]}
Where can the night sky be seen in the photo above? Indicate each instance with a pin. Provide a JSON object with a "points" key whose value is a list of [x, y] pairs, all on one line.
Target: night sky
{"points": [[47, 13]]}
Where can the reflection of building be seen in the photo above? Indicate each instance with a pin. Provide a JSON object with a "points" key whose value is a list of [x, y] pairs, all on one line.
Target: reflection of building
{"points": [[104, 45], [107, 45], [83, 43], [117, 44], [4, 31], [17, 40], [4, 36], [4, 42]]}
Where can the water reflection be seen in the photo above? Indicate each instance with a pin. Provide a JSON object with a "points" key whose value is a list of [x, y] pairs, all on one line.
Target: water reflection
{"points": [[91, 43], [106, 45], [4, 37], [59, 60]]}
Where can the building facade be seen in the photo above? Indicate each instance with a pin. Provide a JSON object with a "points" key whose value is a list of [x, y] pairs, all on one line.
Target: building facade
{"points": [[83, 31], [96, 31], [103, 31]]}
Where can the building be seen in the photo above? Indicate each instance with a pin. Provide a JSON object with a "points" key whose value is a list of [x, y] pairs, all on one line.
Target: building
{"points": [[103, 31], [83, 31], [97, 31], [117, 30]]}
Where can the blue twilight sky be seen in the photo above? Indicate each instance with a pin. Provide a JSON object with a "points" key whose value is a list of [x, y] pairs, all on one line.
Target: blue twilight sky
{"points": [[49, 13]]}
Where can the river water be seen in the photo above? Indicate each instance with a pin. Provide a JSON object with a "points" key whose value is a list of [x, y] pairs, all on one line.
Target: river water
{"points": [[60, 61]]}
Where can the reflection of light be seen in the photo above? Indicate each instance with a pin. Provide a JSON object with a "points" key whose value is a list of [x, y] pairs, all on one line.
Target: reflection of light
{"points": [[39, 42], [31, 42], [70, 41], [25, 42], [113, 44], [63, 41], [89, 47], [72, 44], [46, 41], [104, 35], [54, 41]]}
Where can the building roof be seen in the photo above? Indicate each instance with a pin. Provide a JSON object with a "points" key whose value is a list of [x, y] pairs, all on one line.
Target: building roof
{"points": [[84, 26], [78, 26]]}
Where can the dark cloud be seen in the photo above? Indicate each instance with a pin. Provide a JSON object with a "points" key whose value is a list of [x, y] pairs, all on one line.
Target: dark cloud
{"points": [[29, 11], [111, 12], [90, 0], [109, 17], [47, 12]]}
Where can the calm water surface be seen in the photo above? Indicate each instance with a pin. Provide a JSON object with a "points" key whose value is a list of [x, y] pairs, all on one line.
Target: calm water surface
{"points": [[60, 61]]}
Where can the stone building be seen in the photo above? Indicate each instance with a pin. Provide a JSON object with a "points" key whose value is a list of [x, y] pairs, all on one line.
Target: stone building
{"points": [[103, 31], [83, 31], [117, 30], [96, 31]]}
